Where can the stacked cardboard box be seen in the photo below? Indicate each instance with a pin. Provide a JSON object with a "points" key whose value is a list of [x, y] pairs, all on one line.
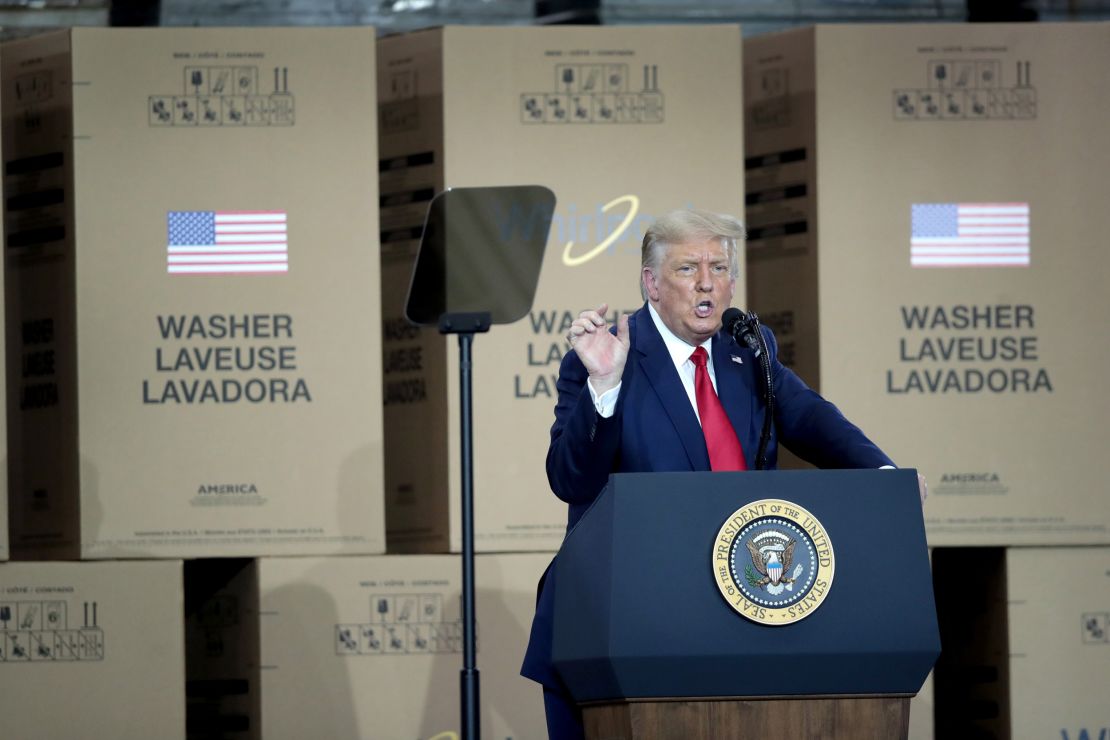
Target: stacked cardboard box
{"points": [[92, 650], [377, 640], [922, 267], [1025, 641], [623, 124], [192, 293]]}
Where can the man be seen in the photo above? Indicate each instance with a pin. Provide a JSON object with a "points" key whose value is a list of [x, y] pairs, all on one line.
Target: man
{"points": [[668, 390]]}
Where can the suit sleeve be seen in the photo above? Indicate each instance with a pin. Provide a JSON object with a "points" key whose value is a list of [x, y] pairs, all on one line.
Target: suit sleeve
{"points": [[584, 446], [814, 429]]}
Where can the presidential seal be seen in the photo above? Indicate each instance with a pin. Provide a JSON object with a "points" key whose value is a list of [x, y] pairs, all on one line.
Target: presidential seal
{"points": [[773, 562]]}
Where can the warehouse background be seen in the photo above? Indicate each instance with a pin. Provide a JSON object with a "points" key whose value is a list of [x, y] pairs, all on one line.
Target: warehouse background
{"points": [[287, 567]]}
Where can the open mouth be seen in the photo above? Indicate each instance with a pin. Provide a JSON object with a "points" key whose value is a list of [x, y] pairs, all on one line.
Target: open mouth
{"points": [[704, 309]]}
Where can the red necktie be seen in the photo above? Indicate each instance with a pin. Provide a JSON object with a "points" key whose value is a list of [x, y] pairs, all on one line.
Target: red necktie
{"points": [[725, 452]]}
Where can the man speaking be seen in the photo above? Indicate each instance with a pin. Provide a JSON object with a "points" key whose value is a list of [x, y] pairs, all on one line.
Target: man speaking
{"points": [[668, 390]]}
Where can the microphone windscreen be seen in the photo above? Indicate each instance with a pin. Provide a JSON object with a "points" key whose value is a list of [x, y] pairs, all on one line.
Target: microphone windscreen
{"points": [[730, 317]]}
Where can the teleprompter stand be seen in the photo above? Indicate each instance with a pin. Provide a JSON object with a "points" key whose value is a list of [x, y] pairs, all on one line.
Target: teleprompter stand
{"points": [[478, 265]]}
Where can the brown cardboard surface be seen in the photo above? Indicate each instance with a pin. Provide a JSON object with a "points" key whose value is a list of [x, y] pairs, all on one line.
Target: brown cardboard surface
{"points": [[1059, 632], [193, 414], [623, 124], [978, 376], [92, 650], [371, 646]]}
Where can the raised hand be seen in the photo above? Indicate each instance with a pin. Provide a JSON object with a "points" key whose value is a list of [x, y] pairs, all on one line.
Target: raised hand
{"points": [[602, 353]]}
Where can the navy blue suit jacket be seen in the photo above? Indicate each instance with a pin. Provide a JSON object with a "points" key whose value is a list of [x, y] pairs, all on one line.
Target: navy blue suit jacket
{"points": [[654, 428]]}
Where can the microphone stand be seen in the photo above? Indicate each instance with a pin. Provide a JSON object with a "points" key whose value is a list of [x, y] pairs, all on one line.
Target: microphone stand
{"points": [[768, 396], [466, 325], [745, 329]]}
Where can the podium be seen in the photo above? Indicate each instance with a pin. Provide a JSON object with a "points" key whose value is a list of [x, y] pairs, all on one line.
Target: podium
{"points": [[651, 644]]}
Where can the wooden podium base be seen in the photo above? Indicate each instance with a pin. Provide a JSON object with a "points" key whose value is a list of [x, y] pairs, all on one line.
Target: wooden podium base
{"points": [[796, 718]]}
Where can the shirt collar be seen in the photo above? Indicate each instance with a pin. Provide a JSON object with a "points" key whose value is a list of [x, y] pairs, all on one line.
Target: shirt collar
{"points": [[678, 349]]}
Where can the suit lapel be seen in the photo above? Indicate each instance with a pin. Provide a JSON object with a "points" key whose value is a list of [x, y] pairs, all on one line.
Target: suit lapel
{"points": [[735, 388], [663, 378]]}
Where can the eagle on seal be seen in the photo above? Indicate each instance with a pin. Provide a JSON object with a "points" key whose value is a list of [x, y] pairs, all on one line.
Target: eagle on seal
{"points": [[772, 565]]}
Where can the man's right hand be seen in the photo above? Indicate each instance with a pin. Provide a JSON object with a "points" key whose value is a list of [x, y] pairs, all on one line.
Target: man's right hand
{"points": [[602, 353]]}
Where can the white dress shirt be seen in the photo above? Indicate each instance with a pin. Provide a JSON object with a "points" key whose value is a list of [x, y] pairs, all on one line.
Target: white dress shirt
{"points": [[680, 352]]}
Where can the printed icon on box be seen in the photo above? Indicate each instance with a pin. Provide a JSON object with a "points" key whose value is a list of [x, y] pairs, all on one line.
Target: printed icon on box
{"points": [[987, 72], [772, 83], [927, 104], [976, 104], [281, 109], [40, 649], [16, 648], [963, 74], [257, 110], [1096, 628], [952, 105], [29, 616], [628, 108], [5, 615], [371, 639], [34, 87], [592, 78], [557, 106], [1024, 103], [234, 110], [531, 109], [68, 645], [185, 111], [419, 638], [246, 81], [652, 107], [905, 104], [431, 608], [383, 607], [938, 74], [209, 111], [402, 84], [616, 76], [219, 81], [406, 608], [605, 108], [345, 641], [394, 639], [92, 645], [55, 614], [196, 80], [580, 110], [161, 110], [564, 77]]}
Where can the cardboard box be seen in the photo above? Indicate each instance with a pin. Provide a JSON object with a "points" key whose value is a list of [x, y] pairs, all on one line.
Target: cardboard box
{"points": [[164, 412], [1059, 629], [92, 650], [921, 713], [922, 271], [359, 647], [623, 124], [1025, 642]]}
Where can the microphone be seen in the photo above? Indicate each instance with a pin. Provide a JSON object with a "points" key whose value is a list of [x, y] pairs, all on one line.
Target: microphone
{"points": [[743, 327]]}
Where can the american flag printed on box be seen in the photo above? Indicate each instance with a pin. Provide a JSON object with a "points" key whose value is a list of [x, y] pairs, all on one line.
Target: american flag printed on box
{"points": [[969, 235], [208, 242]]}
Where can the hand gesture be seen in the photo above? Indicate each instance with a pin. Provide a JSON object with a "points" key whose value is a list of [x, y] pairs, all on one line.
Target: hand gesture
{"points": [[602, 353]]}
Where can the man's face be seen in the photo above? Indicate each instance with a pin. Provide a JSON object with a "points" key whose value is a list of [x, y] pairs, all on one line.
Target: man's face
{"points": [[691, 288]]}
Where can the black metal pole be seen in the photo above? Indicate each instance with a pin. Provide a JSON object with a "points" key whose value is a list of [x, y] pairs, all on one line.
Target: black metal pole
{"points": [[469, 674]]}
